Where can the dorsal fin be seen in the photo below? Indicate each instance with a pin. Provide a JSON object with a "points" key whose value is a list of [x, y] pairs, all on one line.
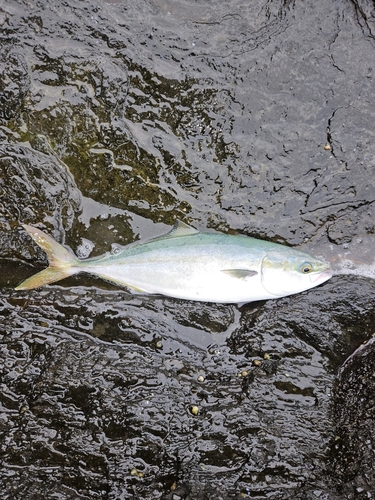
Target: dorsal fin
{"points": [[181, 229]]}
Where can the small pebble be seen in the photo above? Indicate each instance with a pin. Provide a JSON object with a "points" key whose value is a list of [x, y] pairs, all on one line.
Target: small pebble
{"points": [[194, 410], [135, 472]]}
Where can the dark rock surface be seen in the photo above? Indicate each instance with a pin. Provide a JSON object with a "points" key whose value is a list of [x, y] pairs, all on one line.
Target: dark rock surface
{"points": [[35, 188], [96, 384], [353, 446]]}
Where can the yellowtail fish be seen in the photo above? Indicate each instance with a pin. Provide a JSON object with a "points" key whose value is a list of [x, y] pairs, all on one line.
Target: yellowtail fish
{"points": [[188, 264]]}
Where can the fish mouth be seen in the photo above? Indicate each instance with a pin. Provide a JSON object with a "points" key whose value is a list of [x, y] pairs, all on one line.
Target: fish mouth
{"points": [[321, 277]]}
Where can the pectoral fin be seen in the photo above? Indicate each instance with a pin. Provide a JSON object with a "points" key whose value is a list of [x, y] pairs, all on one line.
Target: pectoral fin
{"points": [[241, 274]]}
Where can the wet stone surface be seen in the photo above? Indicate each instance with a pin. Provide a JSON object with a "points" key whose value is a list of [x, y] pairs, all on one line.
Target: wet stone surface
{"points": [[353, 450], [253, 118], [98, 389], [33, 183], [91, 390]]}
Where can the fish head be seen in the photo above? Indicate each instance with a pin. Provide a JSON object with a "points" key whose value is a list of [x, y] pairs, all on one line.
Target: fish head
{"points": [[287, 271]]}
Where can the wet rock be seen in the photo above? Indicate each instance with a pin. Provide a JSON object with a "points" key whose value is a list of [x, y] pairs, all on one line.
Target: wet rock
{"points": [[224, 127], [14, 82], [359, 221], [35, 189], [102, 384], [334, 320], [353, 445]]}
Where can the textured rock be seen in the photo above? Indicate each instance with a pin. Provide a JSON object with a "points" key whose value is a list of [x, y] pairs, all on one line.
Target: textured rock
{"points": [[35, 189], [354, 417]]}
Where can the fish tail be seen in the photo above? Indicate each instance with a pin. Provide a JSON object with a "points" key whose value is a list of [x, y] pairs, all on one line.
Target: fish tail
{"points": [[62, 261]]}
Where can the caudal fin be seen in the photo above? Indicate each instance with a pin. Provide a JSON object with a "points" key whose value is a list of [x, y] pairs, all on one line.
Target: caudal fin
{"points": [[62, 261]]}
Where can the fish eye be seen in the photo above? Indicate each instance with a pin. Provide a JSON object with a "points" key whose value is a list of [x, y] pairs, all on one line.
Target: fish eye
{"points": [[306, 268]]}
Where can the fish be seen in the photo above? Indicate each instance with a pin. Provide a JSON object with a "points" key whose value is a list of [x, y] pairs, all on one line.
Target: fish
{"points": [[192, 265]]}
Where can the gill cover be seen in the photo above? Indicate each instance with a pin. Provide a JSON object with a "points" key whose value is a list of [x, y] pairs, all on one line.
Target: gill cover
{"points": [[286, 273]]}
